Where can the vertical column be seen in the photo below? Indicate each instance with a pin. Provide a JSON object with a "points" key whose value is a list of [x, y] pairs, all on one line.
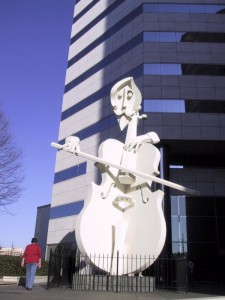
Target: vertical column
{"points": [[166, 205]]}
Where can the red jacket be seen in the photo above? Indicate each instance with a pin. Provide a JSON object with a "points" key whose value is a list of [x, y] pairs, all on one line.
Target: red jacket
{"points": [[32, 253]]}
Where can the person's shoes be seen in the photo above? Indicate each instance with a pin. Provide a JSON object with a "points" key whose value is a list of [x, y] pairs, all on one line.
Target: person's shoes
{"points": [[29, 289]]}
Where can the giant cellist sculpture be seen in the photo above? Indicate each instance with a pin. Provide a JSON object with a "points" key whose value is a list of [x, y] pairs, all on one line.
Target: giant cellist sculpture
{"points": [[123, 215]]}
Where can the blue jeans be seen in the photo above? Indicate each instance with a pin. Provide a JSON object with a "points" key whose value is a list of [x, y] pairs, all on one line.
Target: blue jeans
{"points": [[30, 274]]}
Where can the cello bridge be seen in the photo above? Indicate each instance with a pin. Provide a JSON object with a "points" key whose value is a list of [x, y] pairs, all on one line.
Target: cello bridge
{"points": [[123, 203]]}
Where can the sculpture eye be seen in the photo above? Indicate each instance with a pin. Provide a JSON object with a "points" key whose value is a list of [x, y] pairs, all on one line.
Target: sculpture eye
{"points": [[120, 95], [129, 95]]}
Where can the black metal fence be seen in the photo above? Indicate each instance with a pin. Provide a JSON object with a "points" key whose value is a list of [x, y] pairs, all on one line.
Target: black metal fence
{"points": [[74, 271]]}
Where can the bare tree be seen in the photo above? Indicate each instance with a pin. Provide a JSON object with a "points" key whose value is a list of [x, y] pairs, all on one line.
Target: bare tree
{"points": [[11, 174]]}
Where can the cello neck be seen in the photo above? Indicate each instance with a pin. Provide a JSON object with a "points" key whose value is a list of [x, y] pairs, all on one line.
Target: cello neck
{"points": [[132, 127], [128, 158]]}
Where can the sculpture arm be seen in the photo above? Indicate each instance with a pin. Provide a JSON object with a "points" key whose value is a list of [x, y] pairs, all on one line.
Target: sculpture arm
{"points": [[71, 145], [150, 137]]}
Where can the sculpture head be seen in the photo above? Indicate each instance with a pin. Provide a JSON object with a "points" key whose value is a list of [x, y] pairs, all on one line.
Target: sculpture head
{"points": [[125, 99]]}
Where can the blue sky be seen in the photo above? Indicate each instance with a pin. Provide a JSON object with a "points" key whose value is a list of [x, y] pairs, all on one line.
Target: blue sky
{"points": [[34, 39]]}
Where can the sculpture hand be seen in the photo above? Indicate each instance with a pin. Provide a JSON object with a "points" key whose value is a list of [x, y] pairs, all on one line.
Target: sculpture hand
{"points": [[72, 144], [150, 137]]}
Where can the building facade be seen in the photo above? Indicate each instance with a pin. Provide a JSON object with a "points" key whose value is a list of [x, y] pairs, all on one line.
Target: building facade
{"points": [[175, 50], [41, 226]]}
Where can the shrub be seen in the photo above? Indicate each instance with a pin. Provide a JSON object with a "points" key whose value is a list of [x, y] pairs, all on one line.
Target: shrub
{"points": [[10, 266]]}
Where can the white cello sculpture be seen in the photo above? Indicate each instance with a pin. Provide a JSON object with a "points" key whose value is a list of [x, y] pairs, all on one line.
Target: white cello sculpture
{"points": [[123, 215]]}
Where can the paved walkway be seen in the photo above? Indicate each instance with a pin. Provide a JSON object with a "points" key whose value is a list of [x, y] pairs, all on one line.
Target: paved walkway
{"points": [[9, 291]]}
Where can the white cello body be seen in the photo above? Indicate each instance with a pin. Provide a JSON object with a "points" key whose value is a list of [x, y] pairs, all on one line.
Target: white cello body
{"points": [[123, 218]]}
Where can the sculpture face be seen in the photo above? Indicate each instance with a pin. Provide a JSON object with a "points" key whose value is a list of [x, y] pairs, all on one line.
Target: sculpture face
{"points": [[126, 100]]}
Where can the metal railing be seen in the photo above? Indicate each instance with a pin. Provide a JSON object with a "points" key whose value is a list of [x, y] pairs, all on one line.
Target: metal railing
{"points": [[75, 272]]}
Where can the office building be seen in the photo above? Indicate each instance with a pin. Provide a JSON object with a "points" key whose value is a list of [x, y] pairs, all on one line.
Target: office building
{"points": [[175, 50], [41, 226]]}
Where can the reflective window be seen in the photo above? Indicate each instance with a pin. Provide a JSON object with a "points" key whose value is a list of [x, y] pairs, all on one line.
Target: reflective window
{"points": [[165, 8], [220, 207], [194, 220], [66, 210], [184, 69], [201, 229], [162, 69], [173, 106], [107, 60], [179, 228], [201, 37], [152, 69], [174, 205], [163, 105], [70, 172], [183, 8], [179, 247], [182, 106], [179, 220], [205, 106], [178, 205], [200, 206], [221, 235], [207, 37], [176, 167]]}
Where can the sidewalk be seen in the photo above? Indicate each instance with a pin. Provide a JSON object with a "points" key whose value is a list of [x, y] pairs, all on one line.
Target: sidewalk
{"points": [[13, 292]]}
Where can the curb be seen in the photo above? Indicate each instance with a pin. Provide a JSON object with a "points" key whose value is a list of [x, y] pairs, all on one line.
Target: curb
{"points": [[20, 280]]}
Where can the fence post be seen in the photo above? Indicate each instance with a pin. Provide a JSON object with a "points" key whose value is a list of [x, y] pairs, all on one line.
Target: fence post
{"points": [[186, 273], [59, 268], [117, 271], [49, 268]]}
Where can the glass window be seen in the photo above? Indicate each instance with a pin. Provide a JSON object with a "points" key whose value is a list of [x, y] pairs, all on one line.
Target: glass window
{"points": [[220, 207], [178, 205], [151, 36], [201, 229], [179, 247], [200, 206], [179, 229], [191, 36], [174, 205], [152, 69], [176, 167], [182, 205], [173, 106], [163, 105], [221, 235], [170, 69], [70, 172], [175, 231], [205, 106], [211, 9], [167, 37], [166, 8], [196, 8], [162, 69], [183, 8], [66, 210], [151, 7], [151, 105], [184, 69]]}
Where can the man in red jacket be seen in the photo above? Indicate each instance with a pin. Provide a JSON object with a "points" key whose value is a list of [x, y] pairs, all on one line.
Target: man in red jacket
{"points": [[32, 260]]}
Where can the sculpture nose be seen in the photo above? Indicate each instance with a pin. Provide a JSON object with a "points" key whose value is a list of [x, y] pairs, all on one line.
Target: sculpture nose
{"points": [[124, 102]]}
